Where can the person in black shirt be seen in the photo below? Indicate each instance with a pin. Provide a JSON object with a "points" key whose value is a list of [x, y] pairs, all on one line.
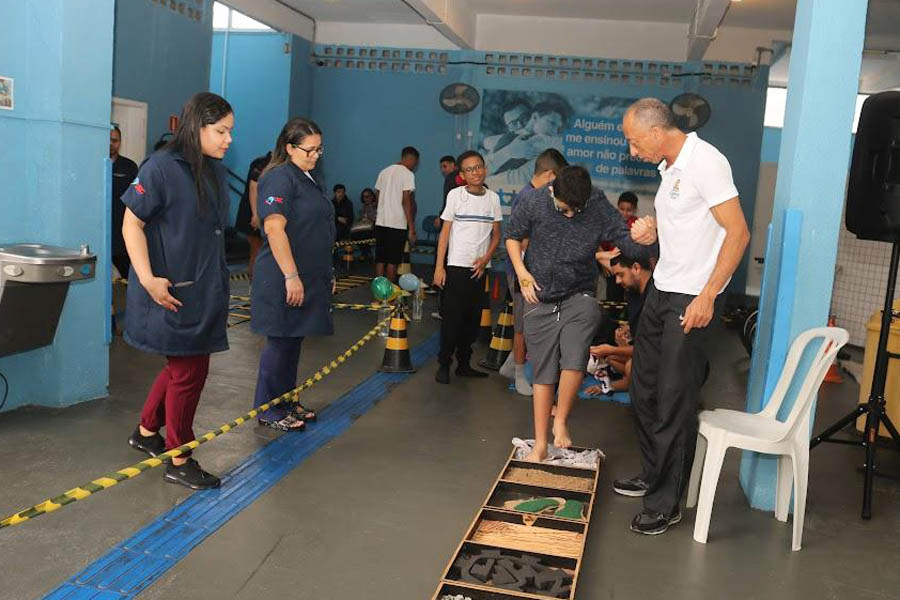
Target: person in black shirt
{"points": [[124, 170], [343, 212], [633, 275], [247, 221]]}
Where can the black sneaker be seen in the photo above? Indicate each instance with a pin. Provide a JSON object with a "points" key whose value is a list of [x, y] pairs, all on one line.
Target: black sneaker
{"points": [[651, 523], [443, 374], [633, 488], [468, 371], [154, 445], [191, 475]]}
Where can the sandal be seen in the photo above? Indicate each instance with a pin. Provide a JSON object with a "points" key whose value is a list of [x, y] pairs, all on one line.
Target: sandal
{"points": [[301, 413], [288, 423]]}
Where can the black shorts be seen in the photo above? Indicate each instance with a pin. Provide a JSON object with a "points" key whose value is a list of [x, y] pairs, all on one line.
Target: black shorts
{"points": [[389, 245]]}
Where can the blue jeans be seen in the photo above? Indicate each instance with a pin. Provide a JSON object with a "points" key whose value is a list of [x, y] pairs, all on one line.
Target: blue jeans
{"points": [[277, 374]]}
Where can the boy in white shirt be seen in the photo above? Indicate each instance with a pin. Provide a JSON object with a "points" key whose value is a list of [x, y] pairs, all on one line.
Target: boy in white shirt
{"points": [[469, 236]]}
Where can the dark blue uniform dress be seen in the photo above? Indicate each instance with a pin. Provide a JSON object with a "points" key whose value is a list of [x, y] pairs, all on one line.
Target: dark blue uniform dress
{"points": [[186, 246], [287, 190]]}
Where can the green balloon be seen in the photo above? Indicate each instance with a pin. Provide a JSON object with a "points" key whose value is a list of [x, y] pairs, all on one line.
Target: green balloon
{"points": [[381, 288]]}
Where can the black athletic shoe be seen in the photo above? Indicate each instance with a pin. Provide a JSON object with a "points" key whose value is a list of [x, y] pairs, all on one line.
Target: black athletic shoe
{"points": [[651, 523], [191, 475], [468, 371], [153, 445], [633, 488], [443, 374]]}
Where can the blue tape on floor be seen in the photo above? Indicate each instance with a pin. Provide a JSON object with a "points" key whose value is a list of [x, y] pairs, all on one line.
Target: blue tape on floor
{"points": [[136, 563]]}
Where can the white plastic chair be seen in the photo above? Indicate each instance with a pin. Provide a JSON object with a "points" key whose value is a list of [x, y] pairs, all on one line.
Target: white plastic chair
{"points": [[721, 429]]}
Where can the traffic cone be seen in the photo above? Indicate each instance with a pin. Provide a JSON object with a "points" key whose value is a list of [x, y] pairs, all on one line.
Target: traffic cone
{"points": [[484, 328], [502, 340], [396, 351], [348, 256], [834, 374], [404, 266]]}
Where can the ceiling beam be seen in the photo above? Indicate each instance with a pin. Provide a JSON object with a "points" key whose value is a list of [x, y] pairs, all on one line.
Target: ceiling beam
{"points": [[451, 18], [708, 15]]}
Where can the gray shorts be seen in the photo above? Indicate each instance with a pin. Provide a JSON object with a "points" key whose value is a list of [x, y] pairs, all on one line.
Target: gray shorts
{"points": [[559, 335], [518, 304]]}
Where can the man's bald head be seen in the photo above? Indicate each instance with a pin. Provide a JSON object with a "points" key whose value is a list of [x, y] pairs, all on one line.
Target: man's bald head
{"points": [[652, 112]]}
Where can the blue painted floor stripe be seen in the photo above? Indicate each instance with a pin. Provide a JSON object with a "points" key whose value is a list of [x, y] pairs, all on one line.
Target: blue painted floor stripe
{"points": [[136, 563]]}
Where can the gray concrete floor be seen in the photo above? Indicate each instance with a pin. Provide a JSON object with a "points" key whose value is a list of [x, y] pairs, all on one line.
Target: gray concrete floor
{"points": [[378, 512]]}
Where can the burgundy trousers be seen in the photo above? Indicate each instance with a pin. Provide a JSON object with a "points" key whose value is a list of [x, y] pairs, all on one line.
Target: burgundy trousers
{"points": [[173, 399]]}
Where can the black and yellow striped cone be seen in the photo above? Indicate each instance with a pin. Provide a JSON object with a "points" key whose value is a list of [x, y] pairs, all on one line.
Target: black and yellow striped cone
{"points": [[404, 266], [484, 328], [502, 340], [396, 352]]}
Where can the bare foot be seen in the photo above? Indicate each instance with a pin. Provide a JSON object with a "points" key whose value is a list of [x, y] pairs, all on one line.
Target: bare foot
{"points": [[561, 437], [537, 455]]}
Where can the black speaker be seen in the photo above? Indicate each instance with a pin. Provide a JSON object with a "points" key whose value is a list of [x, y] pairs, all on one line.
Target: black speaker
{"points": [[873, 194]]}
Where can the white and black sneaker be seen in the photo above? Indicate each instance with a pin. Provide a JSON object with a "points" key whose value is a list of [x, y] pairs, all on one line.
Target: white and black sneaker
{"points": [[633, 488], [651, 523]]}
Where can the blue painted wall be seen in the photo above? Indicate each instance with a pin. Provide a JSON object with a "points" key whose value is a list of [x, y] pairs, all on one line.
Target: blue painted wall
{"points": [[161, 58], [267, 79], [302, 73], [55, 181], [368, 117]]}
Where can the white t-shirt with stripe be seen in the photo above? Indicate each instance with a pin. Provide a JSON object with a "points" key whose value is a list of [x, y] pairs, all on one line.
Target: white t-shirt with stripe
{"points": [[473, 219]]}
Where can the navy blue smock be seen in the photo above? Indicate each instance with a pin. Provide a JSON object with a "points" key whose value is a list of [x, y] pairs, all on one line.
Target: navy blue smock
{"points": [[187, 248], [287, 190]]}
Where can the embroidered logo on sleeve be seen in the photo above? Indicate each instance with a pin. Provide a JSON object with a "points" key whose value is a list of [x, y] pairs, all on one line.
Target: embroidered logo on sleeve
{"points": [[274, 200], [138, 186]]}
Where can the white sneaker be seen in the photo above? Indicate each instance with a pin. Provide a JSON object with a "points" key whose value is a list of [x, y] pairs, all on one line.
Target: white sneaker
{"points": [[436, 315], [523, 388], [508, 369]]}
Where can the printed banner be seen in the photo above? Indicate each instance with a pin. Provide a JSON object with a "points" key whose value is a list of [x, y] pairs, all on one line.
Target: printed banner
{"points": [[516, 126]]}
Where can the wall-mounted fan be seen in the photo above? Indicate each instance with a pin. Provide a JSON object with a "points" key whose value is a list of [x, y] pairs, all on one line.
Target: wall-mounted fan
{"points": [[691, 110], [459, 98]]}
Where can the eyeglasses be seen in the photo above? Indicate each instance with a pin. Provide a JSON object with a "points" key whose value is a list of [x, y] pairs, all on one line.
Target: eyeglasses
{"points": [[318, 151], [475, 169], [561, 206]]}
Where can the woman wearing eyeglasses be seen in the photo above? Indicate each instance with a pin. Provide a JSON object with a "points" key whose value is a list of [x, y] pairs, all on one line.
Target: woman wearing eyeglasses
{"points": [[293, 278]]}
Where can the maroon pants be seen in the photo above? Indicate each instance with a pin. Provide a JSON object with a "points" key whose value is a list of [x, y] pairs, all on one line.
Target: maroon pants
{"points": [[173, 399]]}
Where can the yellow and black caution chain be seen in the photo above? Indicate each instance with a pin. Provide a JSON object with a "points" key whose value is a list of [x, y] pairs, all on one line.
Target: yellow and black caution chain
{"points": [[364, 242], [372, 307], [107, 481]]}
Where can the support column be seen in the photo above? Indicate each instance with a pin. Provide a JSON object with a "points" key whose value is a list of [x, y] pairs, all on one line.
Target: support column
{"points": [[56, 182], [809, 198]]}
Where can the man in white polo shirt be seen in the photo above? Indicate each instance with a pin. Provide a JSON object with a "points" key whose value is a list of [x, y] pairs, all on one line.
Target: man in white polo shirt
{"points": [[702, 237], [396, 213]]}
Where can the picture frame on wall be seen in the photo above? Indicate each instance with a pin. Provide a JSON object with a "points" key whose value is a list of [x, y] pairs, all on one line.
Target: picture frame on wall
{"points": [[7, 97]]}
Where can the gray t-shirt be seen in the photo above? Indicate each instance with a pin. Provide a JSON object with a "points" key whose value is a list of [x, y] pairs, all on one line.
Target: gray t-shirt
{"points": [[561, 249]]}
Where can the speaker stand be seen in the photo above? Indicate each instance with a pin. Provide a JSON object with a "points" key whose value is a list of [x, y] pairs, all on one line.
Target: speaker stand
{"points": [[874, 409]]}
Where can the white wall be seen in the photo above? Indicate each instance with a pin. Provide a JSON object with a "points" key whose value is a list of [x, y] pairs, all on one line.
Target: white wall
{"points": [[382, 34]]}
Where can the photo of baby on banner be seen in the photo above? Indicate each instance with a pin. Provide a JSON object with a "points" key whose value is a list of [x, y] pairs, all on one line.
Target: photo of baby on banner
{"points": [[516, 126]]}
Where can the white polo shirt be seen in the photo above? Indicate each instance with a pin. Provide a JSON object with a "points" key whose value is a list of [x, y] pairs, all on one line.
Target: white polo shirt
{"points": [[473, 219], [391, 183], [689, 236]]}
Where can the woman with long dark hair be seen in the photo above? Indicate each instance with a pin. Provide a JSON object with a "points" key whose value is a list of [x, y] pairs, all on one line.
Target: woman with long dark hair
{"points": [[178, 286], [294, 278]]}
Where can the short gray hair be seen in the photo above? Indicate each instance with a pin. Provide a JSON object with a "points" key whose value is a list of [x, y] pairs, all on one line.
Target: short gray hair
{"points": [[653, 112]]}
